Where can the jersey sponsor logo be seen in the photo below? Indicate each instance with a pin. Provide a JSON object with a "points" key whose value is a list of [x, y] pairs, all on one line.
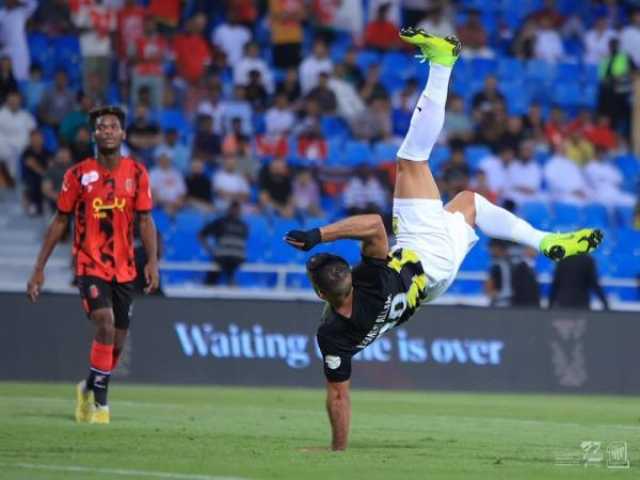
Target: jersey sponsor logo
{"points": [[94, 292], [89, 178], [100, 208], [332, 361]]}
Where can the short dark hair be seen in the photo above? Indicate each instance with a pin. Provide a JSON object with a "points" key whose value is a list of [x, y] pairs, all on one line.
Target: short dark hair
{"points": [[96, 113], [330, 274]]}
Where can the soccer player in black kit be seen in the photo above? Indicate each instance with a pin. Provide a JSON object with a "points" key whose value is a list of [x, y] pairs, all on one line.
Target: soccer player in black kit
{"points": [[388, 286]]}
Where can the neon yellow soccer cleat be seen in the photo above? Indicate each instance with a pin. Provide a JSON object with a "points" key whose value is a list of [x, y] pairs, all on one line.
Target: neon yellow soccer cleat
{"points": [[443, 51], [84, 403], [557, 246], [101, 415]]}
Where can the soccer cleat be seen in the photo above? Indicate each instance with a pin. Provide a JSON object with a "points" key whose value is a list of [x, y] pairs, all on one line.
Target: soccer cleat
{"points": [[84, 403], [101, 415], [443, 51], [558, 246]]}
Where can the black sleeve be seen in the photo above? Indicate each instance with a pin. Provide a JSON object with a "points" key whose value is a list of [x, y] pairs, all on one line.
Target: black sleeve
{"points": [[210, 229], [495, 274], [336, 363], [595, 284]]}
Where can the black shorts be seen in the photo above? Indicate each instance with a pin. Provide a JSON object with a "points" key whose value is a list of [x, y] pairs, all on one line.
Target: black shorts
{"points": [[97, 293]]}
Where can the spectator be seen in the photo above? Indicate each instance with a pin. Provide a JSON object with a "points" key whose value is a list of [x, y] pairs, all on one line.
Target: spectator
{"points": [[306, 195], [533, 123], [168, 186], [252, 61], [34, 88], [455, 173], [96, 23], [601, 135], [53, 176], [578, 149], [57, 102], [53, 18], [130, 28], [564, 178], [229, 184], [198, 183], [381, 34], [272, 145], [372, 88], [474, 37], [77, 118], [524, 41], [394, 9], [175, 149], [413, 11], [548, 43], [630, 38], [152, 49], [279, 119], [212, 106], [364, 193], [524, 176], [312, 147], [513, 134], [236, 142], [556, 128], [615, 87], [191, 50], [276, 188], [348, 101], [457, 123], [511, 282], [323, 95], [597, 40], [549, 11], [310, 118], [206, 143], [353, 74], [606, 182], [407, 97], [490, 126], [374, 125], [232, 38], [480, 184], [489, 97], [143, 135], [496, 167], [34, 164], [574, 280], [436, 22], [315, 64], [285, 17], [13, 38], [237, 108], [230, 234], [290, 86], [331, 16], [256, 92], [244, 11], [166, 12], [81, 146], [15, 125], [7, 80]]}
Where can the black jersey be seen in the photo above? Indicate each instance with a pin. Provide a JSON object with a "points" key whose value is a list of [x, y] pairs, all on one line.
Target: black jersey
{"points": [[385, 294]]}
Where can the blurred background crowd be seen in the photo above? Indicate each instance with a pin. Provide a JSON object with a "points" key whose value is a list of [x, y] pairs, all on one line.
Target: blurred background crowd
{"points": [[254, 117]]}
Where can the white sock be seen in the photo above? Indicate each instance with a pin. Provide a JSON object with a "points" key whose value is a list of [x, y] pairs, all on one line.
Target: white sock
{"points": [[499, 223], [428, 117]]}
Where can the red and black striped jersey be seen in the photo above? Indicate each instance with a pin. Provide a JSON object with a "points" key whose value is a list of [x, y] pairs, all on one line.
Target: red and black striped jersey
{"points": [[104, 203]]}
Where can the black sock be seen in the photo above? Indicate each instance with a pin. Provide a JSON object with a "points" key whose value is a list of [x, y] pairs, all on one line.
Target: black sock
{"points": [[99, 383]]}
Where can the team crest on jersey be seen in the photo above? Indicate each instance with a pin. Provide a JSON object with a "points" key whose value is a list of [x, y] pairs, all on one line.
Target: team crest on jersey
{"points": [[89, 178], [332, 361], [128, 185], [94, 292]]}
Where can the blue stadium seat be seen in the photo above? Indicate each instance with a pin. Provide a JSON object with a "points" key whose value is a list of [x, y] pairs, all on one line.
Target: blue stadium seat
{"points": [[517, 97], [626, 265], [189, 221], [335, 152], [567, 214], [625, 216], [277, 251], [539, 71], [334, 126], [536, 213], [367, 58], [510, 69], [182, 246], [595, 215], [162, 221], [439, 156], [475, 153], [384, 153], [627, 241], [67, 55], [174, 118], [568, 71], [482, 67], [568, 94], [630, 168], [356, 153]]}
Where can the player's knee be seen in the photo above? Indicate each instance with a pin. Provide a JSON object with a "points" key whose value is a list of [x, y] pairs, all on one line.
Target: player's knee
{"points": [[103, 319]]}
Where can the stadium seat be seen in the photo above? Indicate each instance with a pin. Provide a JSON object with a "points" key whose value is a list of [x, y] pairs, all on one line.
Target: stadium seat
{"points": [[536, 213], [277, 251], [475, 153], [509, 69], [539, 71], [482, 67], [174, 118], [367, 58], [595, 215], [625, 216], [335, 152], [356, 153], [384, 153], [189, 221], [629, 166], [516, 96], [259, 233], [567, 215], [334, 126]]}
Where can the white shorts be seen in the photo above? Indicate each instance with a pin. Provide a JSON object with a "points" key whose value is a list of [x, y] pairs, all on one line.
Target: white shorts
{"points": [[440, 238]]}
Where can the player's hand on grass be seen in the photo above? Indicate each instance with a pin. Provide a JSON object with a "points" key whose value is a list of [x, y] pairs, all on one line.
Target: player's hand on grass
{"points": [[303, 239], [35, 284], [152, 277]]}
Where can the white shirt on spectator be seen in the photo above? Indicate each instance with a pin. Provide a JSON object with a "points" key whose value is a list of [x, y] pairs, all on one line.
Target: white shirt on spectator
{"points": [[231, 39], [98, 21], [630, 43], [245, 65], [496, 173], [15, 128], [310, 70], [442, 28], [597, 45], [524, 175], [565, 181], [605, 181], [350, 104], [230, 183], [548, 46], [215, 111], [167, 184], [394, 10], [359, 193], [13, 38], [279, 121]]}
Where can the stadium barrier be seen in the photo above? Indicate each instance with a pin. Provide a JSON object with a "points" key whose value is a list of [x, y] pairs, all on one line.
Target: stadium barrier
{"points": [[272, 343]]}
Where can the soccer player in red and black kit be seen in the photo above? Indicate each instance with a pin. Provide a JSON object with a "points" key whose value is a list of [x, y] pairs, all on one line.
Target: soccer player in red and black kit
{"points": [[104, 194]]}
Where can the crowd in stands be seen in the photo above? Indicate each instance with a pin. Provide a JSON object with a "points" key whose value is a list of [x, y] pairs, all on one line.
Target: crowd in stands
{"points": [[294, 108]]}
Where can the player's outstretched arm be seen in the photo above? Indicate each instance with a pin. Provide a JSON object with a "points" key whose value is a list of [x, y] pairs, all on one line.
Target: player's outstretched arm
{"points": [[368, 228], [55, 232], [339, 410], [149, 239]]}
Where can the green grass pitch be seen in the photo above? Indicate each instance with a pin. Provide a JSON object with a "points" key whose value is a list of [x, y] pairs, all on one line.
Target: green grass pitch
{"points": [[192, 433]]}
